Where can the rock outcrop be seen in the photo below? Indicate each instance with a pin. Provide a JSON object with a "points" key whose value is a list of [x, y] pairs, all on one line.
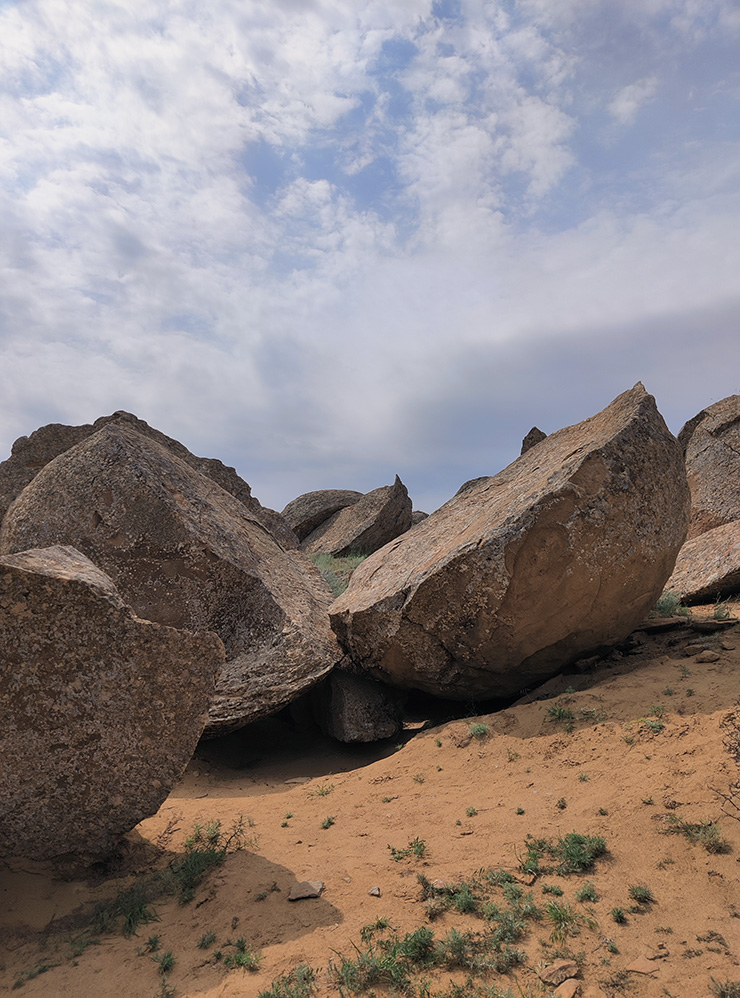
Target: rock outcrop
{"points": [[304, 514], [101, 711], [355, 708], [30, 454], [417, 516], [711, 443], [184, 552], [374, 520], [563, 552], [708, 566], [533, 437]]}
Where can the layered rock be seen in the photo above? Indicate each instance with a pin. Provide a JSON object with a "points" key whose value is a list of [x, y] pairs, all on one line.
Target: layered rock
{"points": [[563, 552], [374, 520], [304, 514], [708, 566], [185, 552], [101, 710], [30, 454], [711, 443]]}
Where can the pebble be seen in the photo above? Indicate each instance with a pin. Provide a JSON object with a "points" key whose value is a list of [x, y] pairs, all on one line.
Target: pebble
{"points": [[374, 892]]}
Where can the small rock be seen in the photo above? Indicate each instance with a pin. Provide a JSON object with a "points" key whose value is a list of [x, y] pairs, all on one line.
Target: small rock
{"points": [[708, 656], [558, 972], [727, 646], [374, 892], [568, 989], [694, 649], [641, 965], [306, 889]]}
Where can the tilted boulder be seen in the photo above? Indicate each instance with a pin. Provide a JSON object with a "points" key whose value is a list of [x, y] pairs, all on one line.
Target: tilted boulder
{"points": [[101, 711], [378, 517], [307, 512], [184, 552], [534, 436], [30, 454], [563, 552], [711, 443], [708, 566]]}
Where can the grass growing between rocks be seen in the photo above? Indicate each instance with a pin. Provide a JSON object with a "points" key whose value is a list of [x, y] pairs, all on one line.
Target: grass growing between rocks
{"points": [[337, 571]]}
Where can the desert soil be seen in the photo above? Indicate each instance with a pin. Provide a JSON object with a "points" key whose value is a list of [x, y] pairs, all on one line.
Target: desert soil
{"points": [[610, 776]]}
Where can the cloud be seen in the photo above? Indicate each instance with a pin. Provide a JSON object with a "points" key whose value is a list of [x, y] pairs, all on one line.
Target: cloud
{"points": [[628, 100]]}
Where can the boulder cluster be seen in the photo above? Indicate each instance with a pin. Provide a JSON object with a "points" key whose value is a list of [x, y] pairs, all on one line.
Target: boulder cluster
{"points": [[147, 599]]}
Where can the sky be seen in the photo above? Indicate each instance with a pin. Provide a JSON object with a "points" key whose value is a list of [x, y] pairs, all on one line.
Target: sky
{"points": [[329, 242]]}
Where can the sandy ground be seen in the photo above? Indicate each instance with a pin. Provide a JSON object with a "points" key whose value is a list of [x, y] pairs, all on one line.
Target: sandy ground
{"points": [[609, 776]]}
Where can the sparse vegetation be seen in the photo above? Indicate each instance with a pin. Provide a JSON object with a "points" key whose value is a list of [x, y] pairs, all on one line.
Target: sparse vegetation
{"points": [[207, 940], [471, 811], [721, 609], [703, 833], [417, 847], [323, 790], [641, 894], [572, 853], [619, 916], [670, 605], [299, 983], [587, 893], [565, 921], [328, 821], [479, 730], [338, 571], [725, 989]]}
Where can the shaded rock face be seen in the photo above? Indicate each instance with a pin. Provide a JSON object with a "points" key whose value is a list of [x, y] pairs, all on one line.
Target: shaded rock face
{"points": [[304, 514], [357, 709], [711, 443], [374, 520], [417, 516], [101, 710], [186, 553], [561, 553], [708, 566], [533, 437], [30, 454]]}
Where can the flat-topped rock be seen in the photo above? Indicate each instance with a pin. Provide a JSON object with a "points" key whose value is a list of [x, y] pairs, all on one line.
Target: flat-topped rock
{"points": [[184, 552], [101, 710], [562, 553]]}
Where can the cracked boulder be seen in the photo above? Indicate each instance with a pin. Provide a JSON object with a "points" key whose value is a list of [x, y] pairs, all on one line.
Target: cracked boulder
{"points": [[364, 526], [711, 442], [184, 552], [101, 710], [304, 514], [562, 553]]}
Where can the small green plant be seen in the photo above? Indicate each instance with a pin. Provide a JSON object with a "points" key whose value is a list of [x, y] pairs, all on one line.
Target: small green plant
{"points": [[690, 693], [152, 944], [703, 833], [243, 959], [438, 742], [561, 804], [684, 671], [657, 710], [271, 890], [288, 815], [587, 893], [669, 605], [619, 916], [418, 777], [512, 755], [284, 824], [299, 983], [668, 692], [560, 714], [603, 812], [552, 889], [641, 894], [721, 609], [565, 921], [654, 725], [328, 822], [725, 989], [583, 777], [207, 940], [479, 730], [323, 790], [166, 962], [520, 810], [471, 811], [417, 848]]}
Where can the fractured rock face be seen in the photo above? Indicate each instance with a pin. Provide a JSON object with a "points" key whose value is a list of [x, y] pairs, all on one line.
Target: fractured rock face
{"points": [[30, 454], [708, 566], [304, 514], [711, 442], [184, 552], [101, 710], [533, 437], [374, 520], [563, 552]]}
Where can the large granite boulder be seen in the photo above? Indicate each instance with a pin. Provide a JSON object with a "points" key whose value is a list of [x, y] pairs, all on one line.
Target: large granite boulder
{"points": [[30, 454], [304, 514], [563, 552], [711, 443], [374, 520], [708, 566], [184, 552], [101, 711]]}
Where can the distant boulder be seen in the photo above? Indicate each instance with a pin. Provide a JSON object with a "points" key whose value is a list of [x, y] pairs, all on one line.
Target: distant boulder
{"points": [[708, 565], [534, 436], [304, 514], [711, 443], [30, 454], [417, 516], [374, 520], [101, 710], [563, 552], [184, 552]]}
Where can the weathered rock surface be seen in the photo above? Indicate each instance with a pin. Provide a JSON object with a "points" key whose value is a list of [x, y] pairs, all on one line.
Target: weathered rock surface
{"points": [[417, 516], [184, 552], [708, 565], [533, 437], [101, 711], [711, 443], [30, 454], [354, 708], [307, 512], [374, 520], [563, 552]]}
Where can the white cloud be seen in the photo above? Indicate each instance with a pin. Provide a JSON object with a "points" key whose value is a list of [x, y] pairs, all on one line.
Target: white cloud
{"points": [[626, 103]]}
